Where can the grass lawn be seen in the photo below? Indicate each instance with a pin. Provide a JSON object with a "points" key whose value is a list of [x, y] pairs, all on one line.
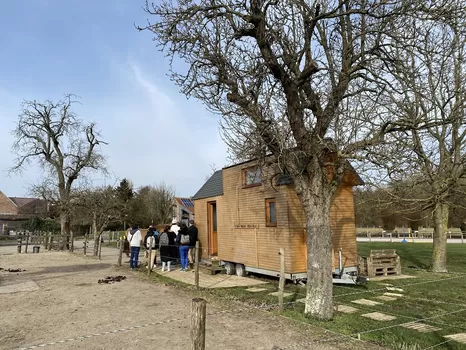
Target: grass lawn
{"points": [[440, 299]]}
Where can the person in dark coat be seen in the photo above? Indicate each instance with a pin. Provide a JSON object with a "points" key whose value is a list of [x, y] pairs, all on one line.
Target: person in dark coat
{"points": [[193, 233], [167, 247]]}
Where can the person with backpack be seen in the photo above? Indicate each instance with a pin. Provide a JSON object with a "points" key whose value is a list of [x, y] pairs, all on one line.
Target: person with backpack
{"points": [[134, 239], [167, 245], [184, 240], [151, 236]]}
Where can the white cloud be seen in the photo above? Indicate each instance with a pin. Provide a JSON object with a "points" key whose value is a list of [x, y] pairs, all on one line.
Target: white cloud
{"points": [[159, 136], [154, 134]]}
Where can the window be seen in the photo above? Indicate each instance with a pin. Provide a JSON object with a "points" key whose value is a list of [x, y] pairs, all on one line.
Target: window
{"points": [[252, 177], [270, 213]]}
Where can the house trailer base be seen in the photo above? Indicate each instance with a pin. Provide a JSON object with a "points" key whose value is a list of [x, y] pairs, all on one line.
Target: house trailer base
{"points": [[349, 275]]}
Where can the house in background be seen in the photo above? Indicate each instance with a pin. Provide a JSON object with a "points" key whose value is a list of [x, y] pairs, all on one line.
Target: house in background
{"points": [[243, 221], [14, 211], [183, 209]]}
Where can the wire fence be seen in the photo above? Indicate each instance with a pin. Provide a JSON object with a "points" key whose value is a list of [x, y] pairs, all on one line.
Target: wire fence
{"points": [[275, 307]]}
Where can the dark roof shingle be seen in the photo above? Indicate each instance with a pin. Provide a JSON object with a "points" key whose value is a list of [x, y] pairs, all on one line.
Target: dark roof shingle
{"points": [[212, 188]]}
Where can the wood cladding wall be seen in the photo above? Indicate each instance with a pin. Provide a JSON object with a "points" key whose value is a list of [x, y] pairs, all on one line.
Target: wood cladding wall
{"points": [[243, 236]]}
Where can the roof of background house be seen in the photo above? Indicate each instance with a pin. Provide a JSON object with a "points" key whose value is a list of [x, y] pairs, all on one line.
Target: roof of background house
{"points": [[185, 202], [22, 201], [212, 188]]}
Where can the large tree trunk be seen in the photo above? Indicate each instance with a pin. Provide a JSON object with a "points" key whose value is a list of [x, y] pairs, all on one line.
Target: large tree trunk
{"points": [[65, 221], [439, 255], [315, 199]]}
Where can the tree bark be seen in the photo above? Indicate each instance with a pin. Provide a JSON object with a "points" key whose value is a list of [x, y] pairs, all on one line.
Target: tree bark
{"points": [[65, 230], [439, 255], [96, 236], [316, 199]]}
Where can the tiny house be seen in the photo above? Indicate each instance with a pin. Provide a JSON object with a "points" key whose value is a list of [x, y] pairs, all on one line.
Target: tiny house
{"points": [[243, 222]]}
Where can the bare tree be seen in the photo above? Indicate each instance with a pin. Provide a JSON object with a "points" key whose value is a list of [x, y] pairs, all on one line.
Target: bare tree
{"points": [[153, 204], [429, 80], [163, 197], [51, 134], [297, 84], [100, 206]]}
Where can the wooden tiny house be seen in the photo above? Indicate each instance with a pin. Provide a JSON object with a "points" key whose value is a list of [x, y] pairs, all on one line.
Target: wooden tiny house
{"points": [[243, 223]]}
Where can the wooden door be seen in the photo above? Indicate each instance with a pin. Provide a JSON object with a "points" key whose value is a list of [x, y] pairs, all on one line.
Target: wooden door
{"points": [[212, 227]]}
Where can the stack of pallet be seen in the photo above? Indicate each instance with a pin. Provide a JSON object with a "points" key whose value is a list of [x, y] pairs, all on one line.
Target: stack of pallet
{"points": [[383, 262]]}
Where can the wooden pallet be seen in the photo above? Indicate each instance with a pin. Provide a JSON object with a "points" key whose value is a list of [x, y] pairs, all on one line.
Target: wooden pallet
{"points": [[384, 262]]}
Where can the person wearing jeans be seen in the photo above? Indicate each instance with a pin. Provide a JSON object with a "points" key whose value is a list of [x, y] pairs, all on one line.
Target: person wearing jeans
{"points": [[184, 240], [134, 239]]}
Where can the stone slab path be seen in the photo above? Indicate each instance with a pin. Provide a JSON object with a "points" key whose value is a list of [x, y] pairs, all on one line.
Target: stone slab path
{"points": [[460, 337], [421, 327], [378, 316], [366, 302], [210, 281]]}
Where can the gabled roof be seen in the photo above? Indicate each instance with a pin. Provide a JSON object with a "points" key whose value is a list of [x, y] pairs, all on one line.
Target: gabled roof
{"points": [[22, 201], [212, 188]]}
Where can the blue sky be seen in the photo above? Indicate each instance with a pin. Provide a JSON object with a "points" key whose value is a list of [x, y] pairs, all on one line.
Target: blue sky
{"points": [[91, 49]]}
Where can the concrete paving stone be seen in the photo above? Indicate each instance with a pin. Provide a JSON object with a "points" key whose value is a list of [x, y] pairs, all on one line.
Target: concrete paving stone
{"points": [[421, 327], [390, 277], [386, 298], [346, 309], [303, 300], [393, 295], [394, 289], [386, 284], [460, 337], [366, 302], [210, 281], [275, 294], [255, 290], [379, 316]]}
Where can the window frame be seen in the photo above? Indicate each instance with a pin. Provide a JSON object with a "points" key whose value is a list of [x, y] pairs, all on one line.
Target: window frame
{"points": [[244, 177], [268, 223]]}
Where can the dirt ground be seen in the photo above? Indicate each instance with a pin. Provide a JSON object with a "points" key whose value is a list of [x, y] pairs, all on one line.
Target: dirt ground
{"points": [[57, 303]]}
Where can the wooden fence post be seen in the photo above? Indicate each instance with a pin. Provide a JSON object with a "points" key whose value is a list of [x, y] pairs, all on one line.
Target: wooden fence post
{"points": [[149, 263], [198, 313], [100, 247], [85, 244], [196, 265], [71, 241], [120, 255], [46, 240], [50, 241], [27, 243], [281, 283], [20, 242]]}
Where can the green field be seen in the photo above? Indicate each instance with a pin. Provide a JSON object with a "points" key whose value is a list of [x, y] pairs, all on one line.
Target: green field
{"points": [[438, 300]]}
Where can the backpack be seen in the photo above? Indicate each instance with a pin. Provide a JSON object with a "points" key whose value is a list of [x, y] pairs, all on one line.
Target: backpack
{"points": [[185, 239], [155, 242], [164, 239]]}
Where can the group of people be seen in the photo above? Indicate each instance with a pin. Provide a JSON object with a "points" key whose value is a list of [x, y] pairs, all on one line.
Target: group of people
{"points": [[175, 243]]}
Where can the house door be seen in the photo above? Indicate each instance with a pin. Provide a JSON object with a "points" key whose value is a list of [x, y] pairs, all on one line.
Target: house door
{"points": [[212, 227]]}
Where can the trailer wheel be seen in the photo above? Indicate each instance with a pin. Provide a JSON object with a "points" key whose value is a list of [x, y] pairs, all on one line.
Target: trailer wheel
{"points": [[240, 270], [229, 268]]}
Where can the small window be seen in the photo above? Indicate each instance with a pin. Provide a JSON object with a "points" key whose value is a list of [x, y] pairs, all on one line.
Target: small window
{"points": [[270, 213], [252, 177]]}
